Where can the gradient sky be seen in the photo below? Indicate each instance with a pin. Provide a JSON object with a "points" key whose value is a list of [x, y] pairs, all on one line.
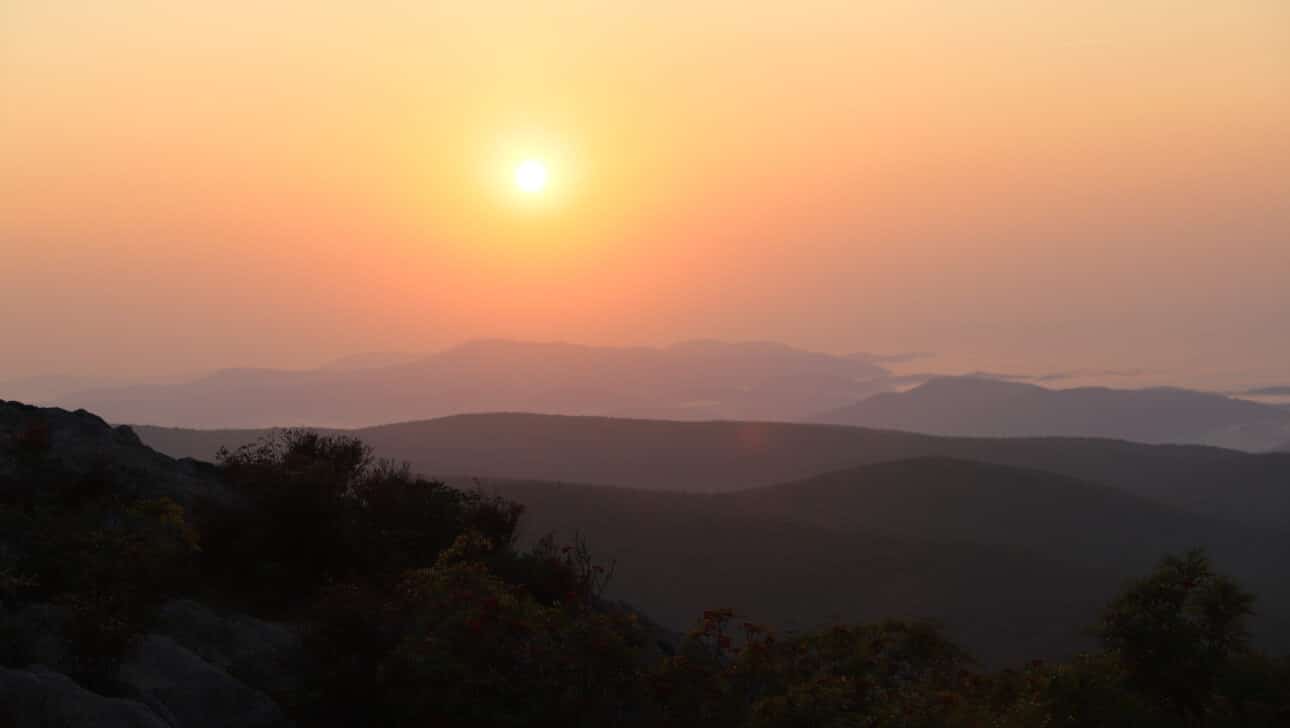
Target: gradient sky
{"points": [[1026, 185]]}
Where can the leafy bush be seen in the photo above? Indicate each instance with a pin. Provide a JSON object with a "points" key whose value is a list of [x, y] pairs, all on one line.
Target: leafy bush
{"points": [[320, 510], [478, 647], [889, 673]]}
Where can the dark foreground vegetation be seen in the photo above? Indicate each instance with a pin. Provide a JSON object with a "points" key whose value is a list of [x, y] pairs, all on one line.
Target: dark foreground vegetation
{"points": [[348, 591]]}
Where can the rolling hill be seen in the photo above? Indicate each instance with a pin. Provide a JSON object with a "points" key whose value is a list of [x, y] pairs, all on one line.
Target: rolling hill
{"points": [[689, 381], [676, 555], [982, 548], [981, 407], [948, 500], [726, 456]]}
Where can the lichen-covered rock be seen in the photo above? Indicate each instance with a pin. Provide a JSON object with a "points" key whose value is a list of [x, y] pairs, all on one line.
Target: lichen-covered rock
{"points": [[40, 698]]}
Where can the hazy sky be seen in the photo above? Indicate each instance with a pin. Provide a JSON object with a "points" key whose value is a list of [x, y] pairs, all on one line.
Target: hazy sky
{"points": [[1023, 184]]}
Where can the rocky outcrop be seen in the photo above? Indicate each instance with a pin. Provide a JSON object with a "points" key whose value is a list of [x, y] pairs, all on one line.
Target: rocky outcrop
{"points": [[40, 698], [194, 666], [48, 443]]}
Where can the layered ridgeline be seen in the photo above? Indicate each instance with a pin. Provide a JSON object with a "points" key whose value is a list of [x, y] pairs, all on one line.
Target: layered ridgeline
{"points": [[1012, 542], [710, 457], [979, 407], [300, 580], [692, 380]]}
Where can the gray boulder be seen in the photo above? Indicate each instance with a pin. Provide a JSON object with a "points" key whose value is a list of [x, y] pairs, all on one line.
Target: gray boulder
{"points": [[265, 655], [33, 635], [199, 667], [191, 693], [40, 698]]}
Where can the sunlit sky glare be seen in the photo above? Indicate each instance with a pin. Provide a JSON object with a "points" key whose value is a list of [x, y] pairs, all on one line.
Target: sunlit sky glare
{"points": [[1012, 184]]}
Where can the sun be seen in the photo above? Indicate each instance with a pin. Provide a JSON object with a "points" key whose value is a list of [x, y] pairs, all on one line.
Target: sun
{"points": [[531, 176]]}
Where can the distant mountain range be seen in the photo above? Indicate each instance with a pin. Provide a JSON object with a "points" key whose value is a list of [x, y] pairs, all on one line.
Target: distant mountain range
{"points": [[689, 381], [974, 406], [712, 457]]}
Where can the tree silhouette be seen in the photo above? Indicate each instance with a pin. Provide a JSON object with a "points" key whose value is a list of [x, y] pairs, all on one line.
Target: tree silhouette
{"points": [[1177, 630]]}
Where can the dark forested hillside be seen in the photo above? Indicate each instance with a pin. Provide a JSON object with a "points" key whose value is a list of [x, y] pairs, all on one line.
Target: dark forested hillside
{"points": [[1059, 517], [675, 553], [935, 533]]}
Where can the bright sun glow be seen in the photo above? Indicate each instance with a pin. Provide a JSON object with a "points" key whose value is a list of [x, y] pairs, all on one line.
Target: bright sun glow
{"points": [[531, 176]]}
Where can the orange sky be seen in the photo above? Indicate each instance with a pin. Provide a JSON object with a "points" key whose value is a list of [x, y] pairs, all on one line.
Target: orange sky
{"points": [[1034, 184]]}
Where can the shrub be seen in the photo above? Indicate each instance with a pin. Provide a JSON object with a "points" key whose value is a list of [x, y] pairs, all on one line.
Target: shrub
{"points": [[455, 642], [1177, 630], [320, 509], [897, 673]]}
